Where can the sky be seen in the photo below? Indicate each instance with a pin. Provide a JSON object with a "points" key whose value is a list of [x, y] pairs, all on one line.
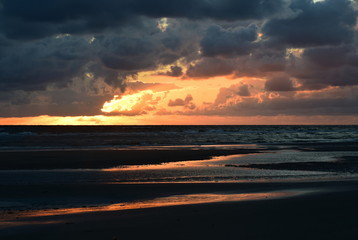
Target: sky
{"points": [[178, 62]]}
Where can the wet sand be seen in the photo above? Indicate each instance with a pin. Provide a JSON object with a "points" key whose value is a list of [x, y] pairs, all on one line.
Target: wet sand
{"points": [[266, 209], [96, 159], [320, 210], [345, 164]]}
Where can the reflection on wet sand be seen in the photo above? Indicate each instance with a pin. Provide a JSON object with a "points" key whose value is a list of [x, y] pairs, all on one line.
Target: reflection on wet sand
{"points": [[217, 169], [218, 161], [16, 218], [10, 223]]}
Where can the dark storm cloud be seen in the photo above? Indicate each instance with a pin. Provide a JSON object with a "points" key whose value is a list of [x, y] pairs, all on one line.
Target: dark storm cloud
{"points": [[228, 43], [261, 62], [22, 19], [329, 22], [32, 66], [215, 9], [56, 62], [210, 67], [175, 71], [144, 48], [319, 79], [321, 67], [127, 54], [332, 57], [48, 46]]}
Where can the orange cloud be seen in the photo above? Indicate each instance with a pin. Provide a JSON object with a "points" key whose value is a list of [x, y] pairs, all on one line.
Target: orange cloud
{"points": [[186, 103], [133, 104]]}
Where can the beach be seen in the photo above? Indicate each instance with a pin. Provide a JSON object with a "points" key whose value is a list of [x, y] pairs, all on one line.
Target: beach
{"points": [[235, 191], [329, 213]]}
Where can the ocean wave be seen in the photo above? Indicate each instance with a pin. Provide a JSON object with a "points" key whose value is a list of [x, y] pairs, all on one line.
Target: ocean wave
{"points": [[27, 137]]}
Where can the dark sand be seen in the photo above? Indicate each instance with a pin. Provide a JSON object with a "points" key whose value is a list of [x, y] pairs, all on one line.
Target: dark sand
{"points": [[96, 159], [330, 213], [327, 211], [345, 164]]}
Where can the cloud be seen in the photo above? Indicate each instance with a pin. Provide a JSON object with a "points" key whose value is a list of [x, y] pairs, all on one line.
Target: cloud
{"points": [[262, 62], [321, 67], [32, 66], [63, 102], [53, 63], [114, 55], [232, 94], [127, 54], [41, 18], [68, 57], [279, 84], [175, 71], [133, 104], [331, 57], [328, 22], [155, 87], [186, 103], [244, 91], [228, 42], [335, 101], [210, 67]]}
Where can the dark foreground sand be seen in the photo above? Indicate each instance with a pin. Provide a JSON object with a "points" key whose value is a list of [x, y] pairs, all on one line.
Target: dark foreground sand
{"points": [[300, 209], [330, 212]]}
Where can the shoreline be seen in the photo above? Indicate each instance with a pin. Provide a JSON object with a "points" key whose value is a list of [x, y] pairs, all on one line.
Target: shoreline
{"points": [[99, 159]]}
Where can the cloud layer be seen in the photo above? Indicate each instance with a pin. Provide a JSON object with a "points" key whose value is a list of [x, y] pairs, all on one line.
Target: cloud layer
{"points": [[68, 57]]}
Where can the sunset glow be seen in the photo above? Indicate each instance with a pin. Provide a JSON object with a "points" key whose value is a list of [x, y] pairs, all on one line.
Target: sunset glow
{"points": [[200, 119], [126, 103], [213, 59]]}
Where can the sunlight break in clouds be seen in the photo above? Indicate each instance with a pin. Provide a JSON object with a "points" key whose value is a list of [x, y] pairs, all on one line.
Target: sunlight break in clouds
{"points": [[163, 24], [134, 104]]}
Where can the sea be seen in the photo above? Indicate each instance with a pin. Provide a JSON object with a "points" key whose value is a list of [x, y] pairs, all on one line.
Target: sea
{"points": [[112, 137]]}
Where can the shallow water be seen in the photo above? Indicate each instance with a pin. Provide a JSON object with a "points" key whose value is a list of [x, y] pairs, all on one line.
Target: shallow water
{"points": [[218, 169]]}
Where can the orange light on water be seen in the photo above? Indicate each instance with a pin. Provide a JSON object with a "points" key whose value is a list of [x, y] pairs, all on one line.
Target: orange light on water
{"points": [[175, 200]]}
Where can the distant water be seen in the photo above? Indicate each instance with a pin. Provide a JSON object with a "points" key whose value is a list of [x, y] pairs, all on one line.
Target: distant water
{"points": [[87, 137]]}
